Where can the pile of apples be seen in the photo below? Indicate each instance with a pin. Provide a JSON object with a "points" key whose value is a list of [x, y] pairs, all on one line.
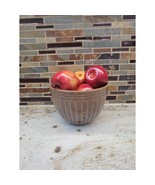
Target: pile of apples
{"points": [[94, 77]]}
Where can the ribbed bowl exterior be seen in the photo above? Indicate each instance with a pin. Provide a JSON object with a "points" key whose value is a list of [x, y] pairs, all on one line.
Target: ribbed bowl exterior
{"points": [[79, 107]]}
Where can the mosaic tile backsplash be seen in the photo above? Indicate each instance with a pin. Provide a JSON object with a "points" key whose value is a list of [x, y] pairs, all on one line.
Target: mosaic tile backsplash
{"points": [[49, 43]]}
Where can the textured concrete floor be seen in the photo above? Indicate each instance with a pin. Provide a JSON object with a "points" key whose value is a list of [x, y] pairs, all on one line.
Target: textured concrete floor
{"points": [[47, 142]]}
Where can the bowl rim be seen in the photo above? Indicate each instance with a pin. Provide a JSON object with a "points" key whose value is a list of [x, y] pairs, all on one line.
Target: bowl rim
{"points": [[79, 91]]}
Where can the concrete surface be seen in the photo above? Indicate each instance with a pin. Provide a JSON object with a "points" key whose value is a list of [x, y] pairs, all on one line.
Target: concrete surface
{"points": [[47, 142]]}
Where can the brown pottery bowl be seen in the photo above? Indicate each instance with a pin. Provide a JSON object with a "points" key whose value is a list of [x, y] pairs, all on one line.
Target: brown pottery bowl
{"points": [[79, 107]]}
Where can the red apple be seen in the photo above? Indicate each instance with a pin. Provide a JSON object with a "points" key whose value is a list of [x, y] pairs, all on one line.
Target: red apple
{"points": [[65, 80], [96, 76], [84, 87], [81, 76]]}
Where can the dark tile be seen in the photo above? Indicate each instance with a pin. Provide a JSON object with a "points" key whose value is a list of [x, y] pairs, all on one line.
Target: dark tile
{"points": [[126, 87], [47, 94], [131, 101], [120, 49], [133, 37], [102, 38], [22, 85], [111, 98], [132, 61], [62, 45], [83, 38], [31, 20], [27, 99], [46, 51], [112, 78], [131, 82], [102, 24], [126, 77], [65, 63], [129, 16], [117, 92], [34, 80], [23, 103], [128, 43], [45, 26], [109, 56]]}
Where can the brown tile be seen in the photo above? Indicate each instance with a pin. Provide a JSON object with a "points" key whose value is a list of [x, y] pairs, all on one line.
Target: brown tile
{"points": [[32, 85], [112, 88], [63, 33], [55, 58], [122, 24], [30, 64], [102, 50], [90, 56], [127, 31], [33, 58], [132, 49], [76, 56], [34, 90], [130, 56]]}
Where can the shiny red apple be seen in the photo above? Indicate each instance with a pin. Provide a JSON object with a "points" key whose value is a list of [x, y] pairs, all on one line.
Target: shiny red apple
{"points": [[96, 76], [65, 80], [84, 87], [81, 76]]}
